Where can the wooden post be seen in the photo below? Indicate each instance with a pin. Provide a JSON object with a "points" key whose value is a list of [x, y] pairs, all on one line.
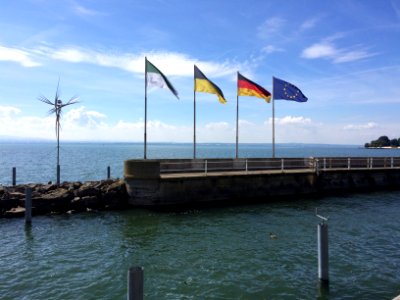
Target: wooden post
{"points": [[14, 176], [58, 174], [323, 253], [108, 172], [135, 283], [28, 206]]}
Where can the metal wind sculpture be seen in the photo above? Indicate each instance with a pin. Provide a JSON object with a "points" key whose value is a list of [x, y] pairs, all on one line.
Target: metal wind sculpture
{"points": [[57, 110]]}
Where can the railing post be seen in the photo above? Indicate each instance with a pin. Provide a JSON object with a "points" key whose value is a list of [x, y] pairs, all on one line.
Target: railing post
{"points": [[282, 164], [348, 163], [14, 176], [108, 172], [28, 206], [371, 163], [246, 166], [205, 167], [324, 163], [135, 283], [317, 166], [391, 162]]}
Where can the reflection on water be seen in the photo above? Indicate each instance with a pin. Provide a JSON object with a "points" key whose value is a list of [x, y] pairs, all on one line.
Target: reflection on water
{"points": [[221, 253]]}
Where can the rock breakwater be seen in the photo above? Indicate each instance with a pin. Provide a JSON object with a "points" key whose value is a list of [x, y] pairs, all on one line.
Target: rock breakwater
{"points": [[69, 197]]}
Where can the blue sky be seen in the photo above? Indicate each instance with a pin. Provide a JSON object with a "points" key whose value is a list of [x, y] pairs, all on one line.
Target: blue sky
{"points": [[343, 55]]}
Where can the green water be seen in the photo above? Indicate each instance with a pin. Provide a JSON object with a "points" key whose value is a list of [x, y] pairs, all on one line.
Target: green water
{"points": [[221, 253]]}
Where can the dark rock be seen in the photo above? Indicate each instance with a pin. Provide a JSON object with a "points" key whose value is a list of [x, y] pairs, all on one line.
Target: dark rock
{"points": [[16, 195], [15, 212], [87, 189], [91, 201], [69, 197], [77, 204]]}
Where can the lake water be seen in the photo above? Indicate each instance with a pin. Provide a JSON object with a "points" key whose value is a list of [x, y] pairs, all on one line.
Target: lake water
{"points": [[36, 162], [219, 253]]}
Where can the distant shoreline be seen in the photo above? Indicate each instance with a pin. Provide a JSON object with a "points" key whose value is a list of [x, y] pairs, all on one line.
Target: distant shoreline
{"points": [[386, 147]]}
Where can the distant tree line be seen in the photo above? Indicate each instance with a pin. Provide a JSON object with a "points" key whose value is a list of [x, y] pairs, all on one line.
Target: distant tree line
{"points": [[383, 141]]}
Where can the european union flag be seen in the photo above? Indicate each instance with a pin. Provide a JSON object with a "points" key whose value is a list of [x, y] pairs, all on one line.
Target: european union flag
{"points": [[287, 91]]}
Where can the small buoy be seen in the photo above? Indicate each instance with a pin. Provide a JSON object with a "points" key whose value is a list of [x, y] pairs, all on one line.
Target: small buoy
{"points": [[272, 236]]}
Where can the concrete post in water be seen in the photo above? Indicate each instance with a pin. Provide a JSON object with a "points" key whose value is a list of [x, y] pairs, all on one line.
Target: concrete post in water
{"points": [[323, 253], [28, 205], [58, 174], [135, 283], [14, 176], [108, 172]]}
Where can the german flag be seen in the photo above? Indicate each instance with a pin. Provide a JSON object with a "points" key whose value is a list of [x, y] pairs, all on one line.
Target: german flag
{"points": [[203, 84], [247, 87]]}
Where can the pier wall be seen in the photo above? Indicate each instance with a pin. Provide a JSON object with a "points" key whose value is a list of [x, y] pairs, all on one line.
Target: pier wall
{"points": [[146, 186]]}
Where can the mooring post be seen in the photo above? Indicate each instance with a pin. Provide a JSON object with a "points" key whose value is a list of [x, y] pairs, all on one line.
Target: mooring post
{"points": [[108, 172], [323, 255], [14, 176], [135, 283], [58, 174], [28, 205]]}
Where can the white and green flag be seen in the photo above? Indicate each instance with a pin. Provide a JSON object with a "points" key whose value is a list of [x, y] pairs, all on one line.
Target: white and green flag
{"points": [[156, 78]]}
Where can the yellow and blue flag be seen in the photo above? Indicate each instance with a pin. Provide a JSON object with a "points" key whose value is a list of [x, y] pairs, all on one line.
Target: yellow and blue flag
{"points": [[203, 84], [287, 91]]}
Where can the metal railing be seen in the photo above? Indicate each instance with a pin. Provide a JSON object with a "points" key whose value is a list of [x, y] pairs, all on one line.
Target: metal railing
{"points": [[282, 164]]}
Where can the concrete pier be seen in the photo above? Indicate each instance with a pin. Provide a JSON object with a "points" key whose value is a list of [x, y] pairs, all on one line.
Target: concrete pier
{"points": [[157, 183]]}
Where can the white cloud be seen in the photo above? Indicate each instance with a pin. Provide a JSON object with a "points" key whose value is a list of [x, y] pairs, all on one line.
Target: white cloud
{"points": [[327, 50], [8, 111], [320, 50], [310, 23], [270, 27], [80, 124], [290, 120], [84, 11], [369, 125], [82, 117], [217, 126], [352, 56], [245, 123], [171, 63], [24, 58], [271, 49]]}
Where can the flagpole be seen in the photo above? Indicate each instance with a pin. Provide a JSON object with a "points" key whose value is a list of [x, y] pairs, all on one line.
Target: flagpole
{"points": [[194, 120], [273, 120], [237, 120], [145, 108]]}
